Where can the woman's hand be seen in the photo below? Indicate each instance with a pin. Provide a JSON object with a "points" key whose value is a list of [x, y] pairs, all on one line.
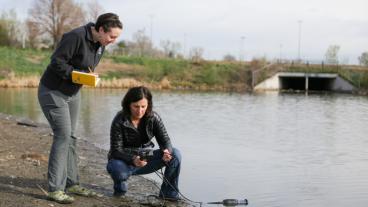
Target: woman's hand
{"points": [[167, 156], [138, 162]]}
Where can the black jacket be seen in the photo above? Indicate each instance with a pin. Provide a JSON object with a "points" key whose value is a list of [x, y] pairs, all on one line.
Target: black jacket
{"points": [[124, 136], [76, 51]]}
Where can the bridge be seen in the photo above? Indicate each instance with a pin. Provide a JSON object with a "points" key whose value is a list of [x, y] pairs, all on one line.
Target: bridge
{"points": [[305, 82]]}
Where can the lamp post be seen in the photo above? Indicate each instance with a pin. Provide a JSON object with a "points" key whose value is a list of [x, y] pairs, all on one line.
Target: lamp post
{"points": [[241, 52], [280, 58], [299, 38], [184, 45], [151, 27]]}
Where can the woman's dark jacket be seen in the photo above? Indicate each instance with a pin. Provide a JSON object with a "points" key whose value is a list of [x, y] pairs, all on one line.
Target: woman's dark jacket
{"points": [[76, 51], [124, 136]]}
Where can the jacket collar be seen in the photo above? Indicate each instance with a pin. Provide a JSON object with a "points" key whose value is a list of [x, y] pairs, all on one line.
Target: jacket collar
{"points": [[126, 121], [89, 35]]}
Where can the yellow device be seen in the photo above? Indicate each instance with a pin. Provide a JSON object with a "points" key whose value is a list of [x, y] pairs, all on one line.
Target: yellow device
{"points": [[89, 79]]}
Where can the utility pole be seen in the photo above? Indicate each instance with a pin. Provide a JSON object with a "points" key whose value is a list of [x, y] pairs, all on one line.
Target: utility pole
{"points": [[299, 38], [151, 27], [184, 45], [280, 58], [241, 52]]}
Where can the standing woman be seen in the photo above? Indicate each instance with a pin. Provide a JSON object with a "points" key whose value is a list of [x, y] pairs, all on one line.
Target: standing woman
{"points": [[80, 49]]}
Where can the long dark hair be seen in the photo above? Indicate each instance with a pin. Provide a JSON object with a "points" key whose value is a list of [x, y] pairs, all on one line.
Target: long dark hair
{"points": [[135, 94], [108, 21]]}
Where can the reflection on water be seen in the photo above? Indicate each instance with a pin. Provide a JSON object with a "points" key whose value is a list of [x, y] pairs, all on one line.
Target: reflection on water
{"points": [[22, 102], [273, 149]]}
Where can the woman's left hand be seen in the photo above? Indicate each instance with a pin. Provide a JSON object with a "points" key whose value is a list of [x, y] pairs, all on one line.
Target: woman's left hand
{"points": [[167, 156]]}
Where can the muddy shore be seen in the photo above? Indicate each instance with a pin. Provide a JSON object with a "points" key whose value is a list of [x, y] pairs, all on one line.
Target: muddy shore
{"points": [[24, 149]]}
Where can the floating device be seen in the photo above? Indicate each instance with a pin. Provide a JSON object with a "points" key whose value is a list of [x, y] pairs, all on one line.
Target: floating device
{"points": [[231, 202]]}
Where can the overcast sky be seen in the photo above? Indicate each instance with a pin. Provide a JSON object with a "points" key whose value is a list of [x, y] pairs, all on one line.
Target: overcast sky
{"points": [[270, 27]]}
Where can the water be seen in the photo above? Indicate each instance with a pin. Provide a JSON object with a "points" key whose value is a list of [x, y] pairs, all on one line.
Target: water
{"points": [[286, 150]]}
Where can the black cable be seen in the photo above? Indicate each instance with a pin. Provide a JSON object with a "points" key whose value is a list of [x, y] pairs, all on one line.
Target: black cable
{"points": [[164, 179]]}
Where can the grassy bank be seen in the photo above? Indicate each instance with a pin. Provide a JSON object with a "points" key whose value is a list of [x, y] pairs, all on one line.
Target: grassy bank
{"points": [[22, 68], [19, 62]]}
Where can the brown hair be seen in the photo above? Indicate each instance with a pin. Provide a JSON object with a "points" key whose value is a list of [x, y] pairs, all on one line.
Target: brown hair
{"points": [[135, 94], [108, 21]]}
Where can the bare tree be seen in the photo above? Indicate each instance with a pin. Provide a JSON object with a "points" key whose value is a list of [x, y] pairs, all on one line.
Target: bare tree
{"points": [[55, 17], [332, 54], [170, 49], [4, 38], [33, 34], [143, 43], [229, 58], [94, 9], [196, 54], [10, 29], [363, 59]]}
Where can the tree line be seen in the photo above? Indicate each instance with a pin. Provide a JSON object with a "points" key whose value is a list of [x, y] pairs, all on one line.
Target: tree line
{"points": [[48, 20]]}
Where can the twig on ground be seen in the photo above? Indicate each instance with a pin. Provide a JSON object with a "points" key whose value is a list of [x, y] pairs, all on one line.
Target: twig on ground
{"points": [[43, 191]]}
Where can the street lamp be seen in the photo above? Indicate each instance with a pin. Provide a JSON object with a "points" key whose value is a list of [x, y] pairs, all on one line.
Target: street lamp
{"points": [[299, 38], [151, 27], [280, 58], [241, 53], [184, 45]]}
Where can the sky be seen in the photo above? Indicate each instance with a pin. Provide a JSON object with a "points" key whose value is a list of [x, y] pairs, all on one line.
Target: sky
{"points": [[246, 29]]}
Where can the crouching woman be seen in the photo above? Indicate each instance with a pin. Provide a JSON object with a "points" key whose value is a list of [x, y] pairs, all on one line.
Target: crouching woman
{"points": [[132, 131]]}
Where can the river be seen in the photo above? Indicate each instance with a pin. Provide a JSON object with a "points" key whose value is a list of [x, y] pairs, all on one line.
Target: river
{"points": [[275, 149]]}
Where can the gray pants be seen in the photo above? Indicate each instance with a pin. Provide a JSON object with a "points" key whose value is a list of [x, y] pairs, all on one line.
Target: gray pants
{"points": [[62, 113]]}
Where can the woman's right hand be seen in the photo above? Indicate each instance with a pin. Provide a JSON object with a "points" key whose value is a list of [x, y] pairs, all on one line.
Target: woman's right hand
{"points": [[138, 162]]}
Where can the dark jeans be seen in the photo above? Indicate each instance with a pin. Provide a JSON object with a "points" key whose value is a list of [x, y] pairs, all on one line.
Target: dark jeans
{"points": [[120, 172]]}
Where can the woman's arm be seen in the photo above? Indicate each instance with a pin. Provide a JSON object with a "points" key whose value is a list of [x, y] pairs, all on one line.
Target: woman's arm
{"points": [[161, 134], [117, 142], [63, 54]]}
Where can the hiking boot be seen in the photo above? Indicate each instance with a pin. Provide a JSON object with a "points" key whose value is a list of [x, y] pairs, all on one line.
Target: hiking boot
{"points": [[118, 194], [60, 197], [167, 198], [82, 191]]}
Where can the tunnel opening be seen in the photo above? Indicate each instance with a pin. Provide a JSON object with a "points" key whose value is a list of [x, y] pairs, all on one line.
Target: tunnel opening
{"points": [[320, 84], [299, 83], [292, 83]]}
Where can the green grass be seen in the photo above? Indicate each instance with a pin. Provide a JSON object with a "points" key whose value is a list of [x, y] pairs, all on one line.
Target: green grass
{"points": [[180, 73], [155, 69], [23, 62]]}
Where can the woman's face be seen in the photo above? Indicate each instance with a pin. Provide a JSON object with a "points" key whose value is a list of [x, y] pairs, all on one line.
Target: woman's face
{"points": [[138, 109], [106, 38]]}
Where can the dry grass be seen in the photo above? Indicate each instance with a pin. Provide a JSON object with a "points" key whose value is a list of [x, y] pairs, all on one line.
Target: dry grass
{"points": [[119, 83], [36, 59], [164, 84], [33, 81], [107, 65], [20, 82], [131, 82]]}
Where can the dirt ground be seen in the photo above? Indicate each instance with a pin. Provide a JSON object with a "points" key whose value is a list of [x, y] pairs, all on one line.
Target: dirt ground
{"points": [[24, 149]]}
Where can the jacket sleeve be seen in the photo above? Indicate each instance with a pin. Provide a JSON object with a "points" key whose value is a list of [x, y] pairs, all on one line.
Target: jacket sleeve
{"points": [[63, 54], [117, 142], [160, 133]]}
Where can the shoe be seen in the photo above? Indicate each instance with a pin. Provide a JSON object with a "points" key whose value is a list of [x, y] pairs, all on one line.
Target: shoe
{"points": [[60, 197], [167, 198], [82, 191], [118, 194]]}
